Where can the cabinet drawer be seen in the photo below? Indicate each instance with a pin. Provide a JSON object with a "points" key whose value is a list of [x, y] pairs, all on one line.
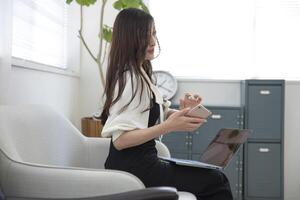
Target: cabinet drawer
{"points": [[221, 118], [177, 142], [265, 111], [263, 170]]}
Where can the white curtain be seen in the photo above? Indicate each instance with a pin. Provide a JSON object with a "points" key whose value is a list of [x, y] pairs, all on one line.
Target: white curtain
{"points": [[5, 49]]}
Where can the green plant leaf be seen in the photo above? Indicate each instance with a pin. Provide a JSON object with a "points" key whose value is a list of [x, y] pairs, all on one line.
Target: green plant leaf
{"points": [[131, 3], [107, 33], [118, 5], [69, 1], [85, 2], [123, 4]]}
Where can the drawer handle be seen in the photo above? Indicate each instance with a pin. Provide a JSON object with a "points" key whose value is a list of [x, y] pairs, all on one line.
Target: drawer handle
{"points": [[216, 116], [264, 150], [265, 92]]}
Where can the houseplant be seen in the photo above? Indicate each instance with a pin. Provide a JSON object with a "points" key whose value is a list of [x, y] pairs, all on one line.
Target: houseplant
{"points": [[91, 126]]}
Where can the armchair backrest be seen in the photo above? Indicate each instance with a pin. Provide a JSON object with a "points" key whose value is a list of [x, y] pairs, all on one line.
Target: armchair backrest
{"points": [[38, 134]]}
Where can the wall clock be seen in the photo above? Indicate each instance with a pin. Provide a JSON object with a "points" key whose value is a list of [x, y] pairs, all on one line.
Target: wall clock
{"points": [[166, 83]]}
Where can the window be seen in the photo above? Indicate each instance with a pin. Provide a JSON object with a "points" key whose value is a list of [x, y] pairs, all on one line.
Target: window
{"points": [[40, 32], [232, 39]]}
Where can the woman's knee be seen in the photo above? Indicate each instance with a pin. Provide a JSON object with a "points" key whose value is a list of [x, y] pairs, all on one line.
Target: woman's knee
{"points": [[217, 178]]}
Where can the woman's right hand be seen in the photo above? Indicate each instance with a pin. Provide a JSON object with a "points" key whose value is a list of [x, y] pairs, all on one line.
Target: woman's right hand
{"points": [[179, 121]]}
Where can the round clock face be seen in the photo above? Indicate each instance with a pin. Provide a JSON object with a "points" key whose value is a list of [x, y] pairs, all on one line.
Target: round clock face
{"points": [[166, 83]]}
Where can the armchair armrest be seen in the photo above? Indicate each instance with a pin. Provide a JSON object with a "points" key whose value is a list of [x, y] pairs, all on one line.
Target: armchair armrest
{"points": [[38, 181], [162, 149], [98, 149]]}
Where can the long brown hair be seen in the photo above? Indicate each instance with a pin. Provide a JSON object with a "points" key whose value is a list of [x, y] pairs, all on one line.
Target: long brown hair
{"points": [[130, 39]]}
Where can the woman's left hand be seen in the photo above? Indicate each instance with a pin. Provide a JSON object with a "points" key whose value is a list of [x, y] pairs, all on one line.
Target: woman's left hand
{"points": [[189, 101]]}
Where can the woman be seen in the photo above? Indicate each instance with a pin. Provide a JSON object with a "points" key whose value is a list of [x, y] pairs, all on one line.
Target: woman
{"points": [[133, 106]]}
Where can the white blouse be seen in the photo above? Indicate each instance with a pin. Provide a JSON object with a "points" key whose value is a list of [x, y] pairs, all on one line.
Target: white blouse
{"points": [[134, 116]]}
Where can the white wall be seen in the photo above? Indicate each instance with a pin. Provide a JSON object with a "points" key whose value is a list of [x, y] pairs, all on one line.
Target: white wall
{"points": [[5, 62], [213, 92], [292, 138], [36, 87]]}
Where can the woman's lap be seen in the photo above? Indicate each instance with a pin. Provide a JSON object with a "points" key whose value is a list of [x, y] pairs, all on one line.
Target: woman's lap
{"points": [[204, 183]]}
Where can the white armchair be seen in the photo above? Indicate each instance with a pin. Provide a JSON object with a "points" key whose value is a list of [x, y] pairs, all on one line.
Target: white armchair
{"points": [[42, 155]]}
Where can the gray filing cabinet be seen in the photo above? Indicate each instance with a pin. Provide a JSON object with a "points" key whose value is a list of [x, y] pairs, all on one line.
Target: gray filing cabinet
{"points": [[191, 145], [263, 101]]}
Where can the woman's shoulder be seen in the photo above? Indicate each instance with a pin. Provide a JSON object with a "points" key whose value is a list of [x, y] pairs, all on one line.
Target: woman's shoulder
{"points": [[133, 80], [135, 93]]}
